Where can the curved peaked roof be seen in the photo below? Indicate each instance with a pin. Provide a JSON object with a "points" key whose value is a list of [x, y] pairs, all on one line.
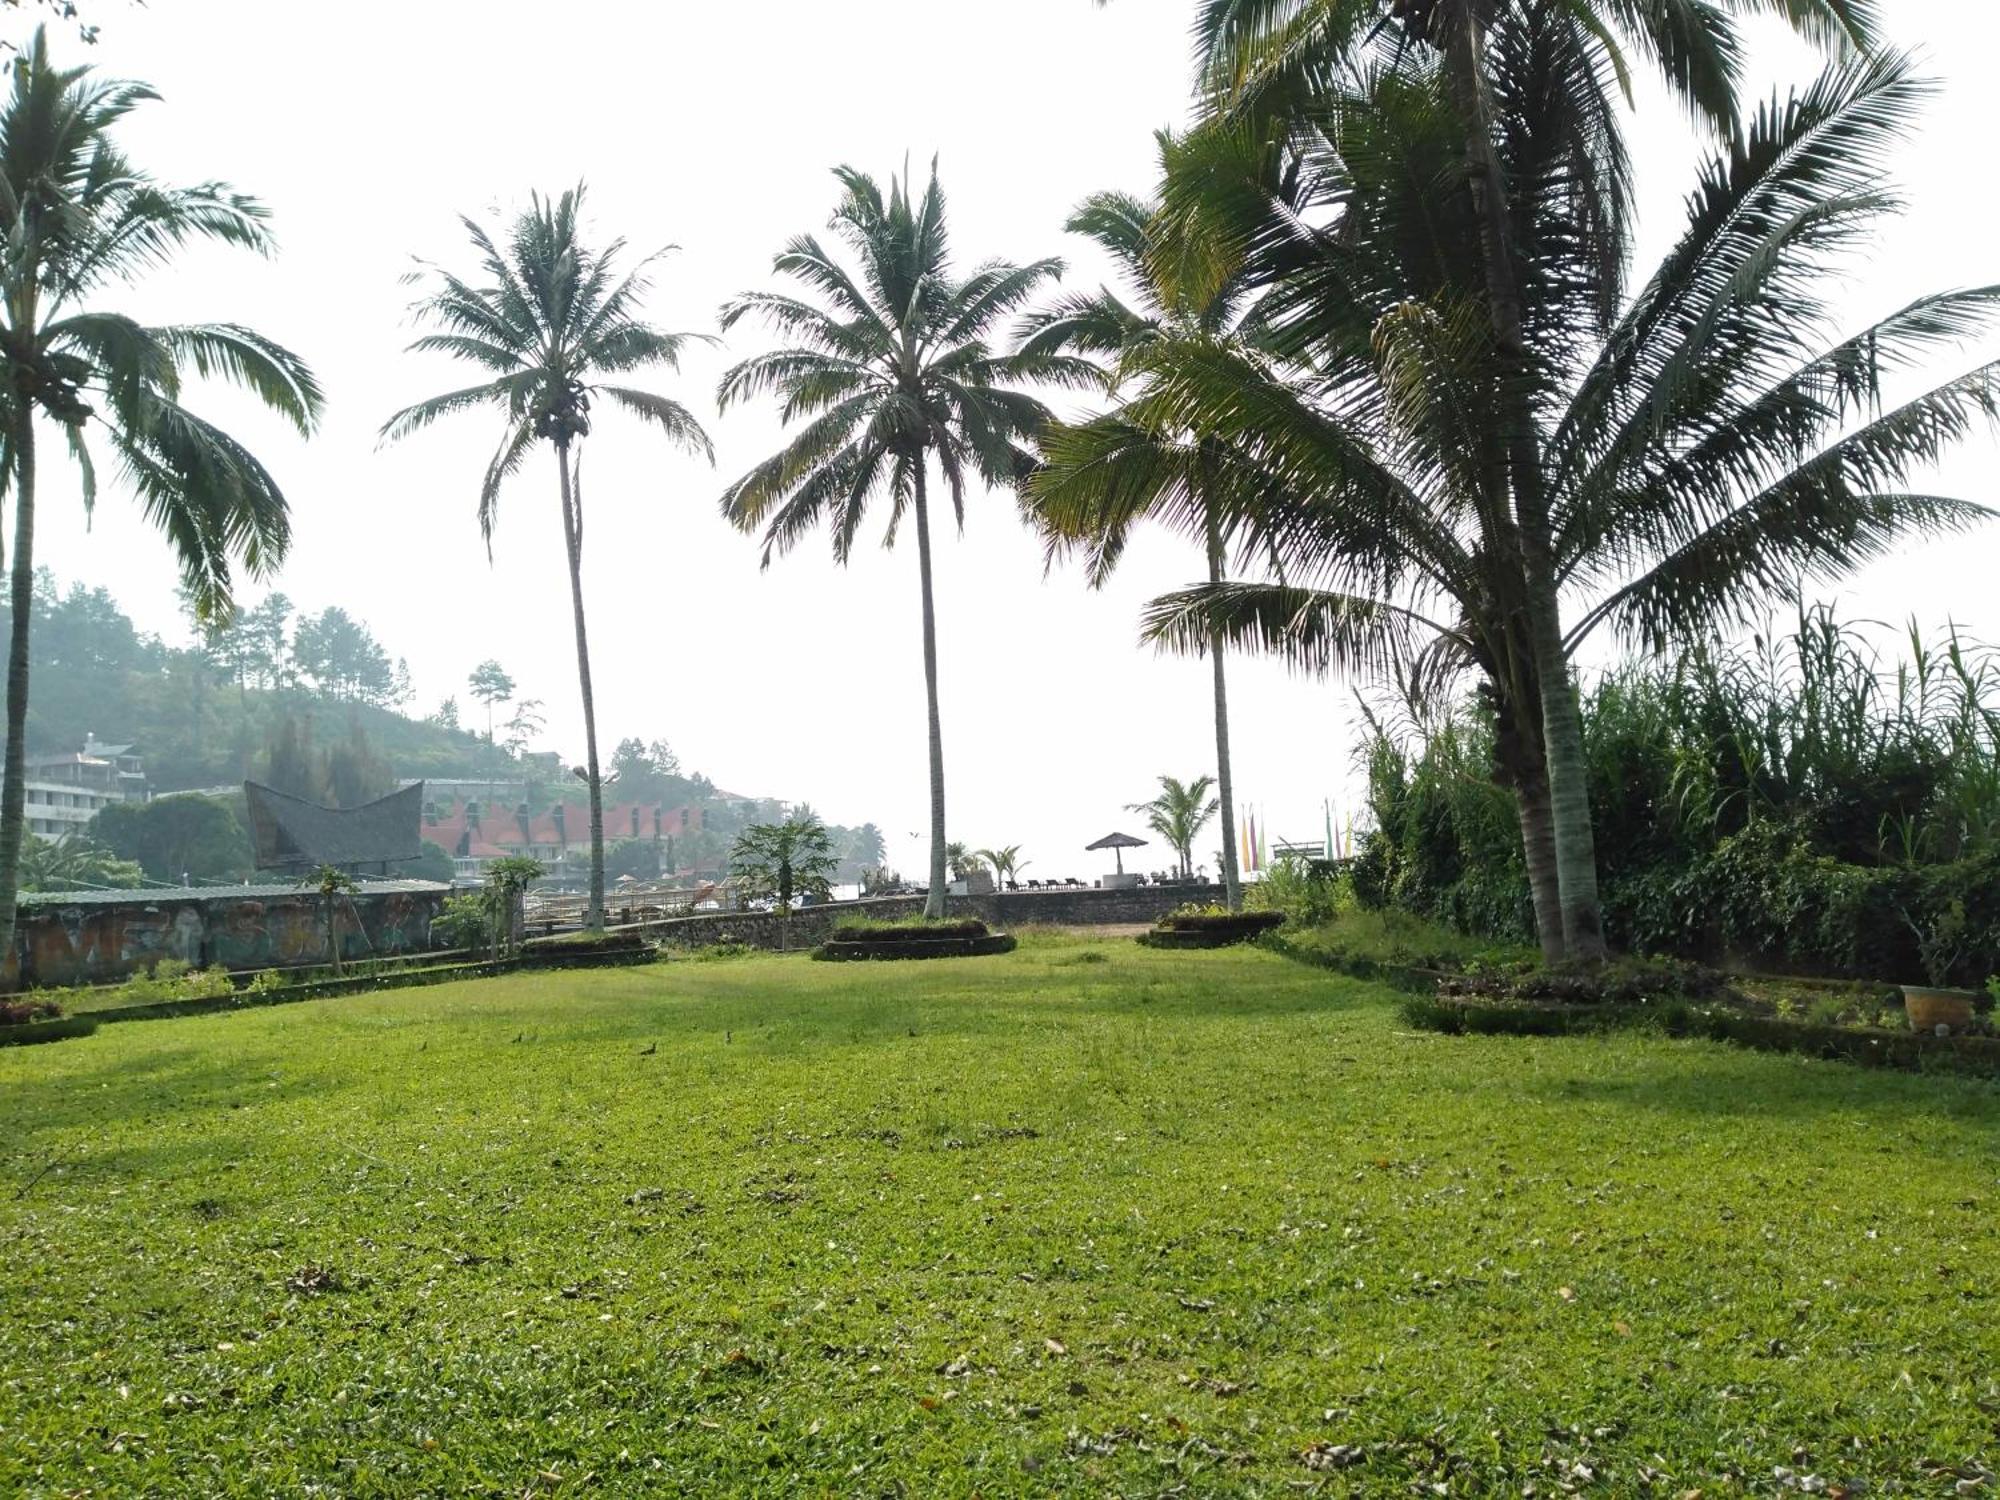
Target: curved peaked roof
{"points": [[291, 833]]}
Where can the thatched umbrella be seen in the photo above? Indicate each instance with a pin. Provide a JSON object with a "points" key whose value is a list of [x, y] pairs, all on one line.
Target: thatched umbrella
{"points": [[1118, 843]]}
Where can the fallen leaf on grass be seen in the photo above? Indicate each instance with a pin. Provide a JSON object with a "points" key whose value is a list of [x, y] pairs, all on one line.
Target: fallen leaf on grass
{"points": [[1328, 1456], [1054, 1346]]}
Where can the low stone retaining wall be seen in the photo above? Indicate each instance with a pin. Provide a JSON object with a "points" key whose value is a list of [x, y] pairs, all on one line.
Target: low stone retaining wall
{"points": [[1000, 909]]}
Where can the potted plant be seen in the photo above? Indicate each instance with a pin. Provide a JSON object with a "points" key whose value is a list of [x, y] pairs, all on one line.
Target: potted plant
{"points": [[1940, 945]]}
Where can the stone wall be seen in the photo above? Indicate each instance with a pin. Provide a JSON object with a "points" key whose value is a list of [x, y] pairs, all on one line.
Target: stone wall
{"points": [[98, 937], [1002, 909]]}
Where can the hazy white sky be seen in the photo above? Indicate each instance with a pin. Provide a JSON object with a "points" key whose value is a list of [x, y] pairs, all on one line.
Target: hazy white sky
{"points": [[369, 125]]}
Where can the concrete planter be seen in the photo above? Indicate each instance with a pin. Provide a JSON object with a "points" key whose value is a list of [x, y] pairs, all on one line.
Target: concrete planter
{"points": [[1929, 1009]]}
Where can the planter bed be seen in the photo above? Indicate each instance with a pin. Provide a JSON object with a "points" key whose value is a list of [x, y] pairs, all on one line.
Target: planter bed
{"points": [[1211, 929], [600, 956], [28, 1033], [966, 937], [1869, 1045]]}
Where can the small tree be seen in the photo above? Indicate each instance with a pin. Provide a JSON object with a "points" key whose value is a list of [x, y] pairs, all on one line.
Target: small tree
{"points": [[332, 883], [1006, 862], [507, 880], [1178, 815], [781, 861], [490, 683]]}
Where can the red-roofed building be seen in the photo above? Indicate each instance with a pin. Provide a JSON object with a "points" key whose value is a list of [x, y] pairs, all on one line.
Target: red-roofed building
{"points": [[473, 833]]}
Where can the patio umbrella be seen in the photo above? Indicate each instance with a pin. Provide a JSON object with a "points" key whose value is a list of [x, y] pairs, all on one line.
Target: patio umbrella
{"points": [[1118, 843]]}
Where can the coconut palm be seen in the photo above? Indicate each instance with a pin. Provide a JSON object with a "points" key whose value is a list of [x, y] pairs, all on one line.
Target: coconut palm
{"points": [[78, 220], [1087, 506], [548, 320], [1713, 452], [888, 373], [1178, 815], [1275, 57], [1006, 863]]}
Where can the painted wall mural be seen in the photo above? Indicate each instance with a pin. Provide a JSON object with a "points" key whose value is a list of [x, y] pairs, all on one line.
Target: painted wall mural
{"points": [[62, 942]]}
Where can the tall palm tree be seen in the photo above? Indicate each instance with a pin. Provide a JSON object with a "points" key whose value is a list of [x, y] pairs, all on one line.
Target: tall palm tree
{"points": [[1277, 55], [78, 219], [1178, 815], [549, 318], [1712, 451], [1085, 506], [890, 372]]}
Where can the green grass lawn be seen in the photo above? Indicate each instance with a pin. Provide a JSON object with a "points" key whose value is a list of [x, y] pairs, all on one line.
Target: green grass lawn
{"points": [[1084, 1218]]}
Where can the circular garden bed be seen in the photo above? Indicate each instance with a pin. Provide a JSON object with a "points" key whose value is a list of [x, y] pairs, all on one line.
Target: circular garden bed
{"points": [[1210, 929], [965, 937]]}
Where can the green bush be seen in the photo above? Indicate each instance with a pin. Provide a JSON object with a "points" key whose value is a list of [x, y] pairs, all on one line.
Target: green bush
{"points": [[910, 929]]}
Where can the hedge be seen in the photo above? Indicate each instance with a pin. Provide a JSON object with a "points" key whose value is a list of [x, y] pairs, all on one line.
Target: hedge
{"points": [[844, 948], [1871, 1046]]}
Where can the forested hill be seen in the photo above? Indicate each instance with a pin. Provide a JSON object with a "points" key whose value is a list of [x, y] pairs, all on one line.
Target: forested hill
{"points": [[209, 716], [316, 706]]}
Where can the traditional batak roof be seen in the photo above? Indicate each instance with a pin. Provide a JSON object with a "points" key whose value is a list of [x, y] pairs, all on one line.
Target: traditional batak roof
{"points": [[291, 833]]}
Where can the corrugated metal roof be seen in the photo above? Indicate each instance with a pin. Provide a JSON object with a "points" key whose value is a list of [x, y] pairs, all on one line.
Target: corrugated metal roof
{"points": [[157, 895]]}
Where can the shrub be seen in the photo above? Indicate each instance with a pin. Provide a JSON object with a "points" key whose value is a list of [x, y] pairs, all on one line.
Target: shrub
{"points": [[20, 1012], [909, 929]]}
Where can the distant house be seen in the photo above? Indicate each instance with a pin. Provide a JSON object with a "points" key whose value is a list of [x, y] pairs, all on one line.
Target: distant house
{"points": [[474, 833], [67, 788]]}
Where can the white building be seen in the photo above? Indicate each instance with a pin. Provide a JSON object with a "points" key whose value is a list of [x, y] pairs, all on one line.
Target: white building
{"points": [[66, 789]]}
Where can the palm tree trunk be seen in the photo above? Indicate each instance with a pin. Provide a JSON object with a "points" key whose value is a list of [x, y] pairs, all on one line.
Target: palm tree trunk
{"points": [[14, 776], [1562, 719], [1232, 879], [934, 902], [1538, 850], [572, 509]]}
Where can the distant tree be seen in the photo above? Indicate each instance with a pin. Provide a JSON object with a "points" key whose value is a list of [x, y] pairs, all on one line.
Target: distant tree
{"points": [[888, 373], [265, 633], [639, 858], [341, 657], [181, 836], [355, 773], [490, 684], [524, 725], [866, 846], [400, 690], [291, 765], [781, 862], [959, 860], [645, 772], [76, 863], [551, 323], [446, 716], [1006, 863], [433, 863], [77, 217], [1178, 814]]}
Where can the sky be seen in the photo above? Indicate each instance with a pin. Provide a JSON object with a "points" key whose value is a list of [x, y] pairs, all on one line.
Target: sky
{"points": [[368, 127]]}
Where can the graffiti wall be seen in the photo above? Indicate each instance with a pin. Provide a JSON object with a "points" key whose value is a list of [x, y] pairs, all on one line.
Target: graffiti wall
{"points": [[99, 937]]}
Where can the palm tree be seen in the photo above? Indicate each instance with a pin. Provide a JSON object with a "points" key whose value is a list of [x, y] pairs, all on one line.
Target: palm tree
{"points": [[1272, 57], [1702, 458], [1082, 505], [78, 218], [1006, 863], [1178, 815], [783, 861], [550, 320], [889, 373]]}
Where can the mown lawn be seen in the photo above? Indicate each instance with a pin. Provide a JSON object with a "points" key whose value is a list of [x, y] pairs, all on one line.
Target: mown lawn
{"points": [[1079, 1219]]}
